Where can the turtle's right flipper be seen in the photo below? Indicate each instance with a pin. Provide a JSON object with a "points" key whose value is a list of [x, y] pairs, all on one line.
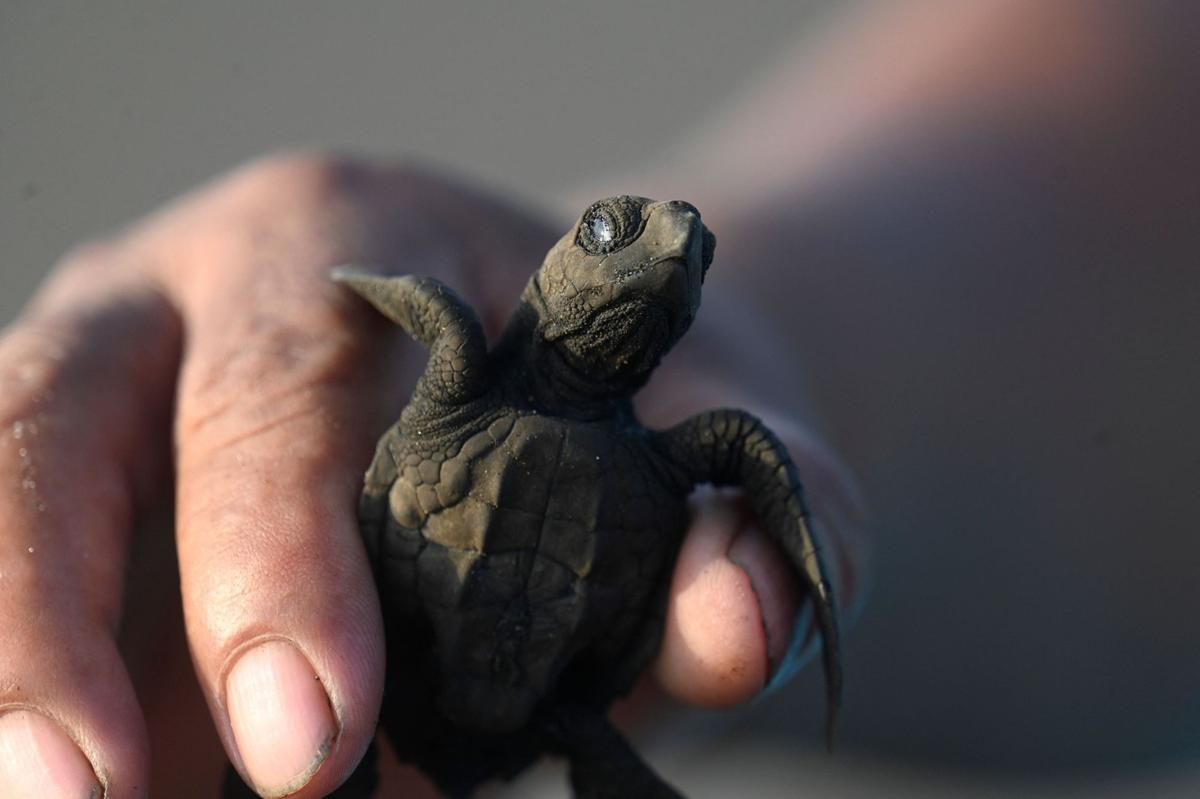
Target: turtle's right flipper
{"points": [[728, 447]]}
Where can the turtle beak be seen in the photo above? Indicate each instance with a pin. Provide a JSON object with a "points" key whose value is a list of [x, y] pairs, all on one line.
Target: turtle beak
{"points": [[685, 245]]}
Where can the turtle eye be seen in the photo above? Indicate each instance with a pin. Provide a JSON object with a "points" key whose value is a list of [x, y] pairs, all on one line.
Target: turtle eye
{"points": [[610, 224], [602, 229]]}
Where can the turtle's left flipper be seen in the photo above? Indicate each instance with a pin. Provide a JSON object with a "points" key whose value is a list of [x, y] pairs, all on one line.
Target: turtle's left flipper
{"points": [[733, 448], [433, 314]]}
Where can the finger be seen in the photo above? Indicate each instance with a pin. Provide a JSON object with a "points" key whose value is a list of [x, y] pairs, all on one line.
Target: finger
{"points": [[277, 412], [722, 628], [86, 379]]}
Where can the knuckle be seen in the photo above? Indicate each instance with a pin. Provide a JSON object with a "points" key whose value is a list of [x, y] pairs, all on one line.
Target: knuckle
{"points": [[299, 174], [73, 283], [88, 256], [248, 387], [32, 365]]}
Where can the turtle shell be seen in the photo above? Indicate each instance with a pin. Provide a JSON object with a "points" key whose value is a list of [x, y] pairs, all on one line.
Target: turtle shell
{"points": [[533, 549]]}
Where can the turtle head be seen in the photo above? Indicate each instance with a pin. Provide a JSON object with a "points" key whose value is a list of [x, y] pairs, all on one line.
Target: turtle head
{"points": [[622, 286]]}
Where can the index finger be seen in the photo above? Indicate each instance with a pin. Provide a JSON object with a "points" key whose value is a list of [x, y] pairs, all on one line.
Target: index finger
{"points": [[277, 408]]}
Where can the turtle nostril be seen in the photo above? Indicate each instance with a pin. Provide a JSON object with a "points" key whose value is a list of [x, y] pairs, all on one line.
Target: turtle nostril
{"points": [[683, 205]]}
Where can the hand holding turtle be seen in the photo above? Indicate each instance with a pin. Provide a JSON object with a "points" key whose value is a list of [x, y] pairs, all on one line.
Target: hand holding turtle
{"points": [[524, 524], [213, 326]]}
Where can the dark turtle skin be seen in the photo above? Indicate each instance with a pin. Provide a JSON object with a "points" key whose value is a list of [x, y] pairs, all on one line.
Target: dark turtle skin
{"points": [[524, 525]]}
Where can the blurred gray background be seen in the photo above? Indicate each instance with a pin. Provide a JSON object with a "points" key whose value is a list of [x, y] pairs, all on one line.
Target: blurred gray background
{"points": [[107, 110]]}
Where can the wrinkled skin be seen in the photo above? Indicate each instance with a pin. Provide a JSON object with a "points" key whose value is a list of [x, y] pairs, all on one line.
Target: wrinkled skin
{"points": [[209, 338], [524, 524]]}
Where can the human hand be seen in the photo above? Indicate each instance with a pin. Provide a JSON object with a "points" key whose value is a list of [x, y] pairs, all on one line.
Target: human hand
{"points": [[209, 337]]}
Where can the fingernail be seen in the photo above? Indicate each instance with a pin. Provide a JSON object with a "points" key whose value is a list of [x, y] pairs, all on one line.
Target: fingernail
{"points": [[282, 721], [38, 760], [773, 584]]}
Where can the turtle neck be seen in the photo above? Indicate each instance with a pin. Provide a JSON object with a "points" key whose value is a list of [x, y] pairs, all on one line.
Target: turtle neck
{"points": [[540, 373]]}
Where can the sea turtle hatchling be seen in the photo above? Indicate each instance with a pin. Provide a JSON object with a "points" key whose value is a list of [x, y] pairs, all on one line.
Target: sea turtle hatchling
{"points": [[524, 525]]}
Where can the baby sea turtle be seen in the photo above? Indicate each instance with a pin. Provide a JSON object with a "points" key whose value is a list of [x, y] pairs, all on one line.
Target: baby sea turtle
{"points": [[524, 525]]}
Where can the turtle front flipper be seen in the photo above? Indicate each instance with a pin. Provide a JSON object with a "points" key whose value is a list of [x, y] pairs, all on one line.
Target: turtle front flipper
{"points": [[734, 448], [433, 314]]}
